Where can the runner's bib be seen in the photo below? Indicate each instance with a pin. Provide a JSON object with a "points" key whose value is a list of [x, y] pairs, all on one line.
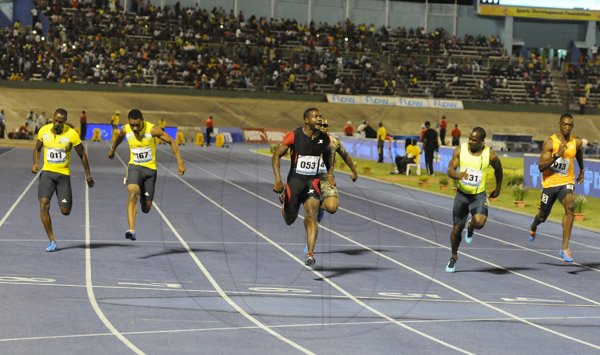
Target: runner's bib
{"points": [[322, 168], [56, 156], [473, 178], [560, 166], [142, 155], [307, 164]]}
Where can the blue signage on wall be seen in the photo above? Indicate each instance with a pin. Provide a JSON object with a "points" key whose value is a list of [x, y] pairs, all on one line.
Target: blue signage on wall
{"points": [[106, 131], [591, 177], [367, 149]]}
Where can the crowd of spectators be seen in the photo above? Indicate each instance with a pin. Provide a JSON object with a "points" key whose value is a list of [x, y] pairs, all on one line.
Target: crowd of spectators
{"points": [[215, 49]]}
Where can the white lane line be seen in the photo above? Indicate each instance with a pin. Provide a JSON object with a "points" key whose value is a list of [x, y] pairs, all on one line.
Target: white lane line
{"points": [[216, 285], [305, 325], [320, 275], [18, 200], [88, 280], [464, 294], [540, 252], [222, 293], [478, 233], [317, 296], [424, 203], [432, 242], [10, 149]]}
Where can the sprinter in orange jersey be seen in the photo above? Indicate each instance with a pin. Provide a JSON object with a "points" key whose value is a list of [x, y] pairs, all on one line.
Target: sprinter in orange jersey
{"points": [[558, 179]]}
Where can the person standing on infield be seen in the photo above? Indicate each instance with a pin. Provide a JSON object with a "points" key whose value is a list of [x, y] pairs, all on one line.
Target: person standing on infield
{"points": [[57, 139], [472, 160], [556, 164], [141, 170]]}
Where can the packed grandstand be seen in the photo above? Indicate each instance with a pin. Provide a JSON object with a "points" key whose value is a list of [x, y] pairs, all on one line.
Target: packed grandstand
{"points": [[218, 50]]}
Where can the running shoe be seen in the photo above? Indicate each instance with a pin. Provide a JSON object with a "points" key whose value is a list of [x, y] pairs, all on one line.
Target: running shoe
{"points": [[320, 215], [468, 235], [566, 255], [51, 246], [531, 235], [310, 260], [451, 265], [282, 197], [130, 234]]}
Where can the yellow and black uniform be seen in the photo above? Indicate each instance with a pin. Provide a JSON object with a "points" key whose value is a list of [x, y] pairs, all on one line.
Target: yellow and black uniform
{"points": [[55, 175], [559, 179], [114, 120], [470, 195], [381, 134], [475, 165], [562, 171], [141, 168]]}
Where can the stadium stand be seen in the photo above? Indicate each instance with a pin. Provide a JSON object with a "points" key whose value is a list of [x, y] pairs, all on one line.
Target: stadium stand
{"points": [[202, 49]]}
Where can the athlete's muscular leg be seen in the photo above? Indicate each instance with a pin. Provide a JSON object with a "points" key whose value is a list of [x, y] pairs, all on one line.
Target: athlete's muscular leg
{"points": [[478, 221], [455, 239], [45, 217], [311, 208], [133, 195], [567, 221], [65, 210], [331, 204], [146, 205]]}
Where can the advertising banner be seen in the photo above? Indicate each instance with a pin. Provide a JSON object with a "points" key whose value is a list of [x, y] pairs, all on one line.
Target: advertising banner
{"points": [[395, 101], [367, 149], [539, 13], [106, 131]]}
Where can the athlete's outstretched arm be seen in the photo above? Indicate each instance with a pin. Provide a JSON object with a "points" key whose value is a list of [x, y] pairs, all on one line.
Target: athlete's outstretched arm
{"points": [[454, 164], [158, 132], [579, 157], [348, 160], [86, 164], [279, 152], [36, 156], [497, 165], [119, 140], [547, 158]]}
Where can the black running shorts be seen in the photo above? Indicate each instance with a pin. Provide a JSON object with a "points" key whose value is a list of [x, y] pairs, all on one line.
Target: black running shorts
{"points": [[145, 178], [50, 182], [467, 203], [297, 191], [551, 194]]}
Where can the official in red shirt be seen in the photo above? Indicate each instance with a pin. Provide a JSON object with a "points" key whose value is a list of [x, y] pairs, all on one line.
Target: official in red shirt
{"points": [[209, 130], [348, 129]]}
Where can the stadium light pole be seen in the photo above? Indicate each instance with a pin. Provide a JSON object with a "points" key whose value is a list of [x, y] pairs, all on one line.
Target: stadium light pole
{"points": [[347, 10], [309, 13], [455, 27], [272, 9], [387, 13], [426, 14]]}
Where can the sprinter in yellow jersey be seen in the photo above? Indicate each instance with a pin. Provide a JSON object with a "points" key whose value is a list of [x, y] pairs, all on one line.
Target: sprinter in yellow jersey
{"points": [[472, 160], [558, 179], [141, 171], [57, 139]]}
